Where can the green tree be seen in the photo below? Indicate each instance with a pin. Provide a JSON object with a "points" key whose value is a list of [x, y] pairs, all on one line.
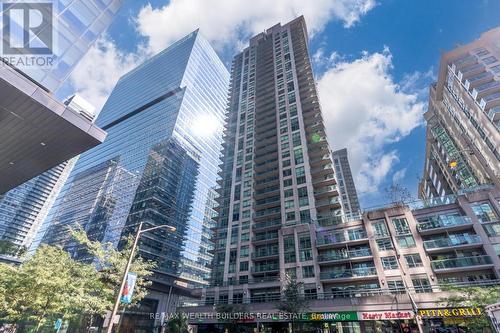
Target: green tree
{"points": [[293, 301], [51, 285], [48, 286], [177, 324], [475, 297], [229, 311], [112, 262]]}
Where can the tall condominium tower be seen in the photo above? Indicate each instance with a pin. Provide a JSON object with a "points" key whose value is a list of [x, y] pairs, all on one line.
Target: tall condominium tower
{"points": [[463, 120], [278, 178], [347, 189], [76, 26], [158, 166]]}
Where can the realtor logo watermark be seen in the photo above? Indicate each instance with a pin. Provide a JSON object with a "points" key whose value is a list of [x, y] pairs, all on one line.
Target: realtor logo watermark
{"points": [[28, 33]]}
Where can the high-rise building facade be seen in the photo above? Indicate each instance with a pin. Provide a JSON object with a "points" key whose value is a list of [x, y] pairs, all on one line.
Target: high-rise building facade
{"points": [[76, 25], [463, 120], [158, 165], [345, 183], [378, 271], [278, 177]]}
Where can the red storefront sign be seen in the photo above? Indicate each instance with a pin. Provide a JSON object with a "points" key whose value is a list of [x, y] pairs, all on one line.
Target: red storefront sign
{"points": [[386, 315]]}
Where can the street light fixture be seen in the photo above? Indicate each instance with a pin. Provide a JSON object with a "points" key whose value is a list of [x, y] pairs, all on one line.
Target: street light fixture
{"points": [[140, 231]]}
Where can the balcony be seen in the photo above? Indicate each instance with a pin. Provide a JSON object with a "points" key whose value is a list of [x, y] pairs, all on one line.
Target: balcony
{"points": [[446, 222], [365, 272], [325, 191], [265, 254], [267, 224], [265, 268], [453, 241], [446, 265], [328, 202], [346, 255]]}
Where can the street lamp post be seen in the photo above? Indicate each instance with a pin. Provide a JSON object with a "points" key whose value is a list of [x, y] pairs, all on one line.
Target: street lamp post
{"points": [[127, 268]]}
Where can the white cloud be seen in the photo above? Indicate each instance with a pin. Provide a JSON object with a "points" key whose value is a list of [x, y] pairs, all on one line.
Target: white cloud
{"points": [[227, 22], [97, 73], [399, 175], [365, 111]]}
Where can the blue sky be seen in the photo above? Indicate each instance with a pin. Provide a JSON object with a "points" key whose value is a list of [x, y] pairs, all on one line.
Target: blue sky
{"points": [[373, 61]]}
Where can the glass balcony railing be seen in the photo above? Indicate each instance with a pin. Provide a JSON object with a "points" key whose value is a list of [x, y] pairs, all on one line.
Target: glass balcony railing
{"points": [[444, 222], [460, 262], [331, 239], [263, 254], [344, 255], [355, 272], [266, 224], [265, 268], [452, 241]]}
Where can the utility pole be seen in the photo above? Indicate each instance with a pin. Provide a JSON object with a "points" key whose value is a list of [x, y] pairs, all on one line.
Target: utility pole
{"points": [[127, 269]]}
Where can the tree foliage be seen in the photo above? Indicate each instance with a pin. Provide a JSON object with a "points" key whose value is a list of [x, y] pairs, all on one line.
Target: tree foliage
{"points": [[474, 297], [51, 285], [48, 286], [293, 300], [178, 324]]}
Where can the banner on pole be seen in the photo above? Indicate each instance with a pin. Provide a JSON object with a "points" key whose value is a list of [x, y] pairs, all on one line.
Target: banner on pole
{"points": [[128, 289]]}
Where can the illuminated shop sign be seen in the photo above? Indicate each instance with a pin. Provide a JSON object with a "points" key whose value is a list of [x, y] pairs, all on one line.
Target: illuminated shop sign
{"points": [[332, 316], [386, 315], [450, 312]]}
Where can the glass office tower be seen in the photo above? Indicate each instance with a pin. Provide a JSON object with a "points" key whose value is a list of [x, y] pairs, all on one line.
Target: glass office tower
{"points": [[158, 164], [77, 25]]}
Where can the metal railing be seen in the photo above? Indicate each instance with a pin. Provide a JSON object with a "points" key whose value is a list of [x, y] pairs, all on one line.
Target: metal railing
{"points": [[460, 262], [452, 241], [355, 272], [446, 222], [344, 255]]}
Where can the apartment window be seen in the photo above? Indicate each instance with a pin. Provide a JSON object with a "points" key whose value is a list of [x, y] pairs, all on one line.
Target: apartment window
{"points": [[305, 215], [305, 248], [247, 203], [238, 298], [245, 214], [303, 198], [484, 212], [289, 249], [244, 251], [243, 279], [421, 284], [413, 260], [380, 229], [300, 174], [244, 266], [287, 182], [223, 299], [245, 237], [291, 272], [294, 124], [389, 262], [288, 193], [492, 229], [401, 226], [287, 172], [307, 271], [290, 216], [287, 163], [384, 244], [289, 204], [298, 155], [406, 241], [396, 287]]}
